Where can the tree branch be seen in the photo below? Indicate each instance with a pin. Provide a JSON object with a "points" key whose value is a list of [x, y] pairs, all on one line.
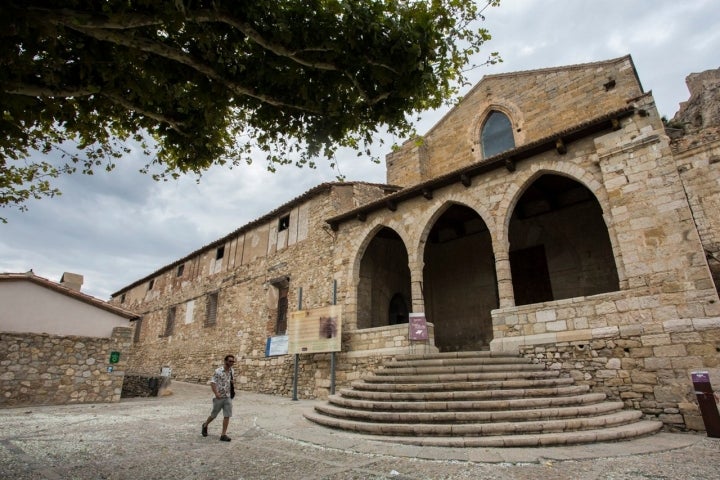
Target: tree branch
{"points": [[45, 91], [156, 48], [119, 100], [88, 24]]}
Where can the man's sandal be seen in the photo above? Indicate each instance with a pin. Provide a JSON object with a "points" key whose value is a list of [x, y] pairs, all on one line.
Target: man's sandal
{"points": [[224, 438]]}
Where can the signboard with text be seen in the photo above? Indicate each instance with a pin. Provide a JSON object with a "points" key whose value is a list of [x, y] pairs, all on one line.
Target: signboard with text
{"points": [[277, 345], [315, 331], [417, 327]]}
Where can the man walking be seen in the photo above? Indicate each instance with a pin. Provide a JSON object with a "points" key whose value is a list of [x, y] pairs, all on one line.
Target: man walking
{"points": [[221, 384]]}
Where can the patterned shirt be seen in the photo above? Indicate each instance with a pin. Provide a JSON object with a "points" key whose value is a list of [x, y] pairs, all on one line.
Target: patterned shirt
{"points": [[221, 379]]}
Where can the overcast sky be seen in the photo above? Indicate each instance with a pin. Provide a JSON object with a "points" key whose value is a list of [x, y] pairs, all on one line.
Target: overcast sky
{"points": [[115, 228]]}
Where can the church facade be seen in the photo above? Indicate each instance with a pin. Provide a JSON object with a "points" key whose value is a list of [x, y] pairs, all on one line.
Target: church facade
{"points": [[552, 214]]}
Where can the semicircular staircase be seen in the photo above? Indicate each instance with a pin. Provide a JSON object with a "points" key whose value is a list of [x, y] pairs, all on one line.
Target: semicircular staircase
{"points": [[477, 399]]}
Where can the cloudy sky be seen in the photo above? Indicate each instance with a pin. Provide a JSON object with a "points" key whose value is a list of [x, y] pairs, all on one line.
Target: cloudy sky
{"points": [[115, 228]]}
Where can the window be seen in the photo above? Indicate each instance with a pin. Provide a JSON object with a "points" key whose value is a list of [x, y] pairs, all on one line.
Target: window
{"points": [[138, 327], [497, 134], [151, 284], [180, 270], [122, 298], [220, 253], [170, 322], [284, 223], [211, 309]]}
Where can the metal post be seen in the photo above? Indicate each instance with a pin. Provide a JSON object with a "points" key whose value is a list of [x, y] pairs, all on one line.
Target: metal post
{"points": [[295, 377], [297, 355], [332, 354], [332, 373]]}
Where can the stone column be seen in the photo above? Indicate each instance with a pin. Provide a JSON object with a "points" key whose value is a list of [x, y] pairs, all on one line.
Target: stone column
{"points": [[416, 289], [506, 297]]}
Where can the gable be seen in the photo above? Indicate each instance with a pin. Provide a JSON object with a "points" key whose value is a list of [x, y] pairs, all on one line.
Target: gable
{"points": [[538, 103]]}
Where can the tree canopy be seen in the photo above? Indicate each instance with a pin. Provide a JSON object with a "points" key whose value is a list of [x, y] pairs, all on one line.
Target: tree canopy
{"points": [[203, 82]]}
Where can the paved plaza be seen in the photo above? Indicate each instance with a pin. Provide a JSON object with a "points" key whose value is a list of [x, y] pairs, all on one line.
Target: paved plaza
{"points": [[159, 438]]}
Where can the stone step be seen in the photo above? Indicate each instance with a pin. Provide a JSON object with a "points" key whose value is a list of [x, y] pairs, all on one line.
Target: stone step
{"points": [[476, 429], [463, 395], [431, 362], [463, 377], [463, 405], [456, 369], [472, 416], [607, 434], [477, 399], [451, 355], [439, 385]]}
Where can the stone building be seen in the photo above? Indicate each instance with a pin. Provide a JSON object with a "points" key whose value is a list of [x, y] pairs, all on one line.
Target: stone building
{"points": [[548, 214], [58, 345]]}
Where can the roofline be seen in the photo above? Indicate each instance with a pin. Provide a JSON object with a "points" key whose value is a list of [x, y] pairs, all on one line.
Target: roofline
{"points": [[44, 282], [286, 207], [507, 159]]}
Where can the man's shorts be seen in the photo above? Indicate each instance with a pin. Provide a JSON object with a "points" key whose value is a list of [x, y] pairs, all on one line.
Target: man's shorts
{"points": [[224, 404]]}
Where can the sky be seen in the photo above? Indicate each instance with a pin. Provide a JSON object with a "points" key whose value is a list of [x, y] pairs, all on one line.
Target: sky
{"points": [[115, 228]]}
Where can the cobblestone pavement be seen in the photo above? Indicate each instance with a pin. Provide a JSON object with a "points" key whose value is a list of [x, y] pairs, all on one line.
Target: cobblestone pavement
{"points": [[159, 438]]}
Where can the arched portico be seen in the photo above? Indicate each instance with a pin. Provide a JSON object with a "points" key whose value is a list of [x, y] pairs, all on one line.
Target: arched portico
{"points": [[383, 287], [559, 242], [459, 280]]}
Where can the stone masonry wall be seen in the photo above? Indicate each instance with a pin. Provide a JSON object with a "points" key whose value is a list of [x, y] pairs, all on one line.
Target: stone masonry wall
{"points": [[41, 369], [699, 168], [247, 304], [539, 103], [646, 367]]}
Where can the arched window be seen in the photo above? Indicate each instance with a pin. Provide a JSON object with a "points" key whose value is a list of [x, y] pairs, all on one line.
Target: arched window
{"points": [[497, 134]]}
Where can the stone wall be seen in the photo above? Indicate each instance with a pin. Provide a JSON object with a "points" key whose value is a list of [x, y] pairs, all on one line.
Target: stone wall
{"points": [[247, 299], [539, 103], [144, 385], [646, 368], [41, 369]]}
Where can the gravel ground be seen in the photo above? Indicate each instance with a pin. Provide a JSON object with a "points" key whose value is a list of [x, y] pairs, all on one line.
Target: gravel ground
{"points": [[159, 438]]}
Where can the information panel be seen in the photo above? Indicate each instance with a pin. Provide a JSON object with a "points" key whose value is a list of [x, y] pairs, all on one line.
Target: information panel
{"points": [[315, 331], [277, 345], [417, 327]]}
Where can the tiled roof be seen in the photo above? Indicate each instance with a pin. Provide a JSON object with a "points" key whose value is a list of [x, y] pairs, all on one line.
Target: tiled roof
{"points": [[76, 295]]}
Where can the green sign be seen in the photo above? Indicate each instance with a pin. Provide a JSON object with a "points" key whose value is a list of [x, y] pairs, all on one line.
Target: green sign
{"points": [[114, 357]]}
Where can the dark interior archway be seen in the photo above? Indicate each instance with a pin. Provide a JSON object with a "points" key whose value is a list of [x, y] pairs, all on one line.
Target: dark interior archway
{"points": [[384, 284], [559, 243], [459, 281], [398, 310]]}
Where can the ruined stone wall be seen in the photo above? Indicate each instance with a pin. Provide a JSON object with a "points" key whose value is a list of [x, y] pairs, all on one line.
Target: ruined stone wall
{"points": [[539, 103], [42, 369], [699, 168]]}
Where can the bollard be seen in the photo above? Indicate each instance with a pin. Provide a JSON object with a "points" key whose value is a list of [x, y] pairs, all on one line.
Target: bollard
{"points": [[706, 401]]}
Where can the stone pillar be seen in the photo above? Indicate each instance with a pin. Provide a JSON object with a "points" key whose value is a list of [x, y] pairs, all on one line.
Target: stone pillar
{"points": [[416, 289], [506, 296]]}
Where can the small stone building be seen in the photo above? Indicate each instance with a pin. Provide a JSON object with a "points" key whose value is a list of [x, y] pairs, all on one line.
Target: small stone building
{"points": [[58, 345], [549, 214]]}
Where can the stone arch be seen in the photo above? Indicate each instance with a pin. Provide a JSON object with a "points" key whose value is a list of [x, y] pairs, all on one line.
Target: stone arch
{"points": [[459, 279], [381, 273], [560, 243]]}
